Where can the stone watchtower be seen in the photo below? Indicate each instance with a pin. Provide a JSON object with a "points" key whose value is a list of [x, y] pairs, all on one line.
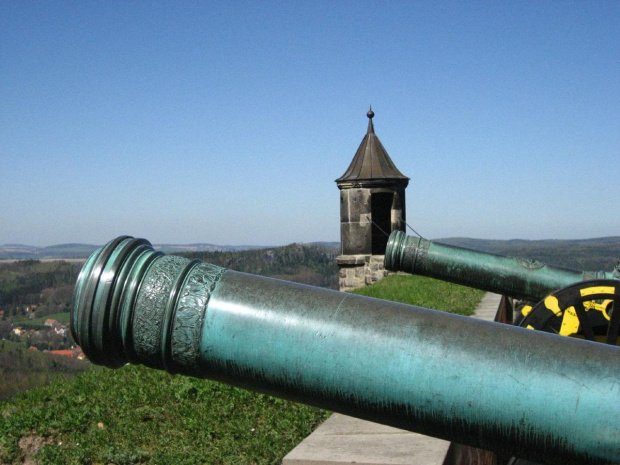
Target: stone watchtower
{"points": [[372, 205]]}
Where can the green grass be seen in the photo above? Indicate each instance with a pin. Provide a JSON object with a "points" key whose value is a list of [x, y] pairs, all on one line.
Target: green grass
{"points": [[63, 317], [136, 415], [425, 292]]}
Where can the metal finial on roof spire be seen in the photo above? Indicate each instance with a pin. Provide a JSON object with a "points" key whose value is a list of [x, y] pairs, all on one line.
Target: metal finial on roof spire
{"points": [[370, 114]]}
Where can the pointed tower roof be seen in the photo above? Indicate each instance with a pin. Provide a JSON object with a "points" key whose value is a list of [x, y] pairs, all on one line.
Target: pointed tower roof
{"points": [[371, 164]]}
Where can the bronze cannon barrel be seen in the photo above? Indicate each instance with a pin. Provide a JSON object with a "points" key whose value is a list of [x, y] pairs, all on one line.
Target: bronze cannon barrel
{"points": [[514, 277], [442, 375]]}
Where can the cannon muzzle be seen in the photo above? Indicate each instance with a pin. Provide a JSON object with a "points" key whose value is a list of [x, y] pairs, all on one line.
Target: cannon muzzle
{"points": [[514, 391], [514, 277]]}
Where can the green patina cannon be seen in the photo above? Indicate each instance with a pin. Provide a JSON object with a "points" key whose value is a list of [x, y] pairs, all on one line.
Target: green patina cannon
{"points": [[438, 374], [569, 302], [521, 278]]}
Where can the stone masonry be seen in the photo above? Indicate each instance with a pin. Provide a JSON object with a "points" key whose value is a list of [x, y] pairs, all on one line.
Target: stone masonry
{"points": [[360, 270]]}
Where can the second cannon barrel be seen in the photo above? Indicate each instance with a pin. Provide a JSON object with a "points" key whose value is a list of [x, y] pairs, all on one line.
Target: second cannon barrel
{"points": [[514, 277]]}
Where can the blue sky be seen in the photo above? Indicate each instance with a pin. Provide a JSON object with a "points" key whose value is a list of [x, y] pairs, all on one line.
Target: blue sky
{"points": [[228, 122]]}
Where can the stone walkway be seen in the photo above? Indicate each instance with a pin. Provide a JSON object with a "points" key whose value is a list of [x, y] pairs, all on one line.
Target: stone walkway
{"points": [[344, 440]]}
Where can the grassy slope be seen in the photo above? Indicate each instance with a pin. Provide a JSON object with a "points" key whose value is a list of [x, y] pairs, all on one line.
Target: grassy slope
{"points": [[425, 292], [138, 415]]}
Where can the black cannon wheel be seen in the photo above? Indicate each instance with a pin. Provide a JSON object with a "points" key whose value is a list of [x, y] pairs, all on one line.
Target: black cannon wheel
{"points": [[584, 310]]}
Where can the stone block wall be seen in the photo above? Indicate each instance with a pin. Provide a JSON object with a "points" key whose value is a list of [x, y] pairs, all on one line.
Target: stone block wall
{"points": [[360, 270]]}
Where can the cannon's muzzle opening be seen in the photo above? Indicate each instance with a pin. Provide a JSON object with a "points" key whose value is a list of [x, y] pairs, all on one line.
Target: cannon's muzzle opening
{"points": [[106, 288], [402, 251], [394, 250]]}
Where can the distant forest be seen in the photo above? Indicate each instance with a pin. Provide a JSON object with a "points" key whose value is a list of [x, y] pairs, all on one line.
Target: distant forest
{"points": [[46, 285], [307, 264], [580, 254], [22, 369]]}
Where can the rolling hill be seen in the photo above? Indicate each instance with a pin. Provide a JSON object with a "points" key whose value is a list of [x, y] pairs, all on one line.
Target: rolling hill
{"points": [[581, 254]]}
